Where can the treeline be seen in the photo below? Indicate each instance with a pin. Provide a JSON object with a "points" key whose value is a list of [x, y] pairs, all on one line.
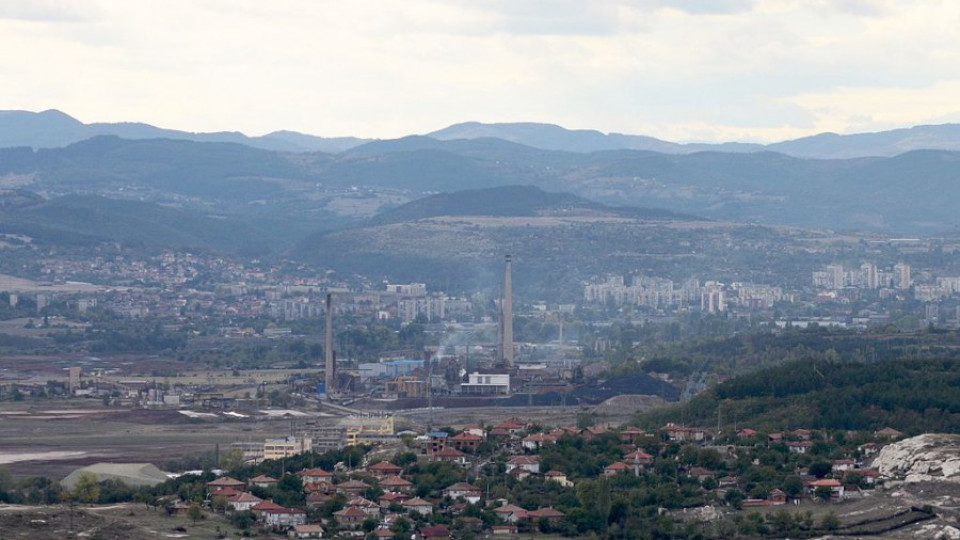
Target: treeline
{"points": [[913, 396], [751, 351]]}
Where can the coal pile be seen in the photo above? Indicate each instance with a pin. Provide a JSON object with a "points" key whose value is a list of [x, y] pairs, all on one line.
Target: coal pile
{"points": [[635, 384]]}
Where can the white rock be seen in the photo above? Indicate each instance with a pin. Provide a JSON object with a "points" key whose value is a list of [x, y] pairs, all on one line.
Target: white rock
{"points": [[928, 457]]}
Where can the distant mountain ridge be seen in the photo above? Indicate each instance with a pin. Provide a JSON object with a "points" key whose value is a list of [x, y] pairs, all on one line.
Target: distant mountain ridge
{"points": [[53, 129], [823, 146]]}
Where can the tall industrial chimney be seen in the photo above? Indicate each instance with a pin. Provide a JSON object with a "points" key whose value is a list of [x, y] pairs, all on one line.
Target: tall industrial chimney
{"points": [[329, 374], [507, 315]]}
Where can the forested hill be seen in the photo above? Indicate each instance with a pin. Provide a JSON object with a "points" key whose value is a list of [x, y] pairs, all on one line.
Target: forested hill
{"points": [[511, 201], [913, 396]]}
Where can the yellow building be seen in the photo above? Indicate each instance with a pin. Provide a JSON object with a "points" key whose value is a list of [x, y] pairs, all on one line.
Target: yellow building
{"points": [[286, 447], [364, 428]]}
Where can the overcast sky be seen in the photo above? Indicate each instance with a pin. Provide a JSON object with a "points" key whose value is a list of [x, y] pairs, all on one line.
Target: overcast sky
{"points": [[705, 70]]}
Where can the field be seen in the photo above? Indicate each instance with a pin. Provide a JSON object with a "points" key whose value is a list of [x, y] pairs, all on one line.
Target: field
{"points": [[116, 522], [54, 442]]}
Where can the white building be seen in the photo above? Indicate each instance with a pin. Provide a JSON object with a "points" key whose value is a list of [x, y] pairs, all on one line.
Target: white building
{"points": [[486, 384]]}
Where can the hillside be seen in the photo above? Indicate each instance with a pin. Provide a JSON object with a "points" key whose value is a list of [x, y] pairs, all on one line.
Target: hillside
{"points": [[556, 248], [89, 220], [913, 396], [516, 201], [296, 191]]}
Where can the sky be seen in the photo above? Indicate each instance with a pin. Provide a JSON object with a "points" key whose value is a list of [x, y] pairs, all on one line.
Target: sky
{"points": [[680, 70]]}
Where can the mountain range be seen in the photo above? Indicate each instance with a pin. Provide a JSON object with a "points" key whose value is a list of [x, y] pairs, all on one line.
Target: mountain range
{"points": [[450, 204], [296, 194], [52, 128]]}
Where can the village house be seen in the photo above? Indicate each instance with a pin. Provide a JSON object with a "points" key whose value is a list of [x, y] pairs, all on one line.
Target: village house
{"points": [[350, 517], [418, 505], [870, 476], [887, 433], [727, 482], [701, 473], [383, 533], [836, 488], [225, 482], [801, 447], [616, 468], [842, 465], [263, 481], [353, 488], [243, 501], [777, 497], [536, 441], [475, 430], [225, 493], [451, 455], [312, 530], [530, 464], [552, 515], [869, 449], [638, 457], [558, 477], [466, 441], [512, 426], [387, 499], [317, 499], [436, 441], [369, 508], [434, 532], [273, 515], [677, 433], [631, 435], [383, 469], [510, 513], [317, 477], [396, 484], [463, 490]]}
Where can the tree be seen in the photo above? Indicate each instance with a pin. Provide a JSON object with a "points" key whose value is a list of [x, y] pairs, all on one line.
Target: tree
{"points": [[242, 520], [369, 524], [195, 513], [231, 459], [823, 493], [219, 504], [87, 490], [793, 486], [830, 522], [820, 468]]}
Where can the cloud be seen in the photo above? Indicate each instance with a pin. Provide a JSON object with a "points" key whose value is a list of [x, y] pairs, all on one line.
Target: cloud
{"points": [[682, 69], [854, 109], [45, 11]]}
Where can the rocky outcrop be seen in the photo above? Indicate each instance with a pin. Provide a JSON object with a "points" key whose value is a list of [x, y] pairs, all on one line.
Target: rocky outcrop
{"points": [[929, 457]]}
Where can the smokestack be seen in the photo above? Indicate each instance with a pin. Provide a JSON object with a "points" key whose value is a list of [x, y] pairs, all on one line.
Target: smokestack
{"points": [[328, 372], [507, 315]]}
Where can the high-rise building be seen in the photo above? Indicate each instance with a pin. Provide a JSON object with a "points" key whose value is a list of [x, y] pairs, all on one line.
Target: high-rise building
{"points": [[901, 276], [837, 276], [869, 277]]}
